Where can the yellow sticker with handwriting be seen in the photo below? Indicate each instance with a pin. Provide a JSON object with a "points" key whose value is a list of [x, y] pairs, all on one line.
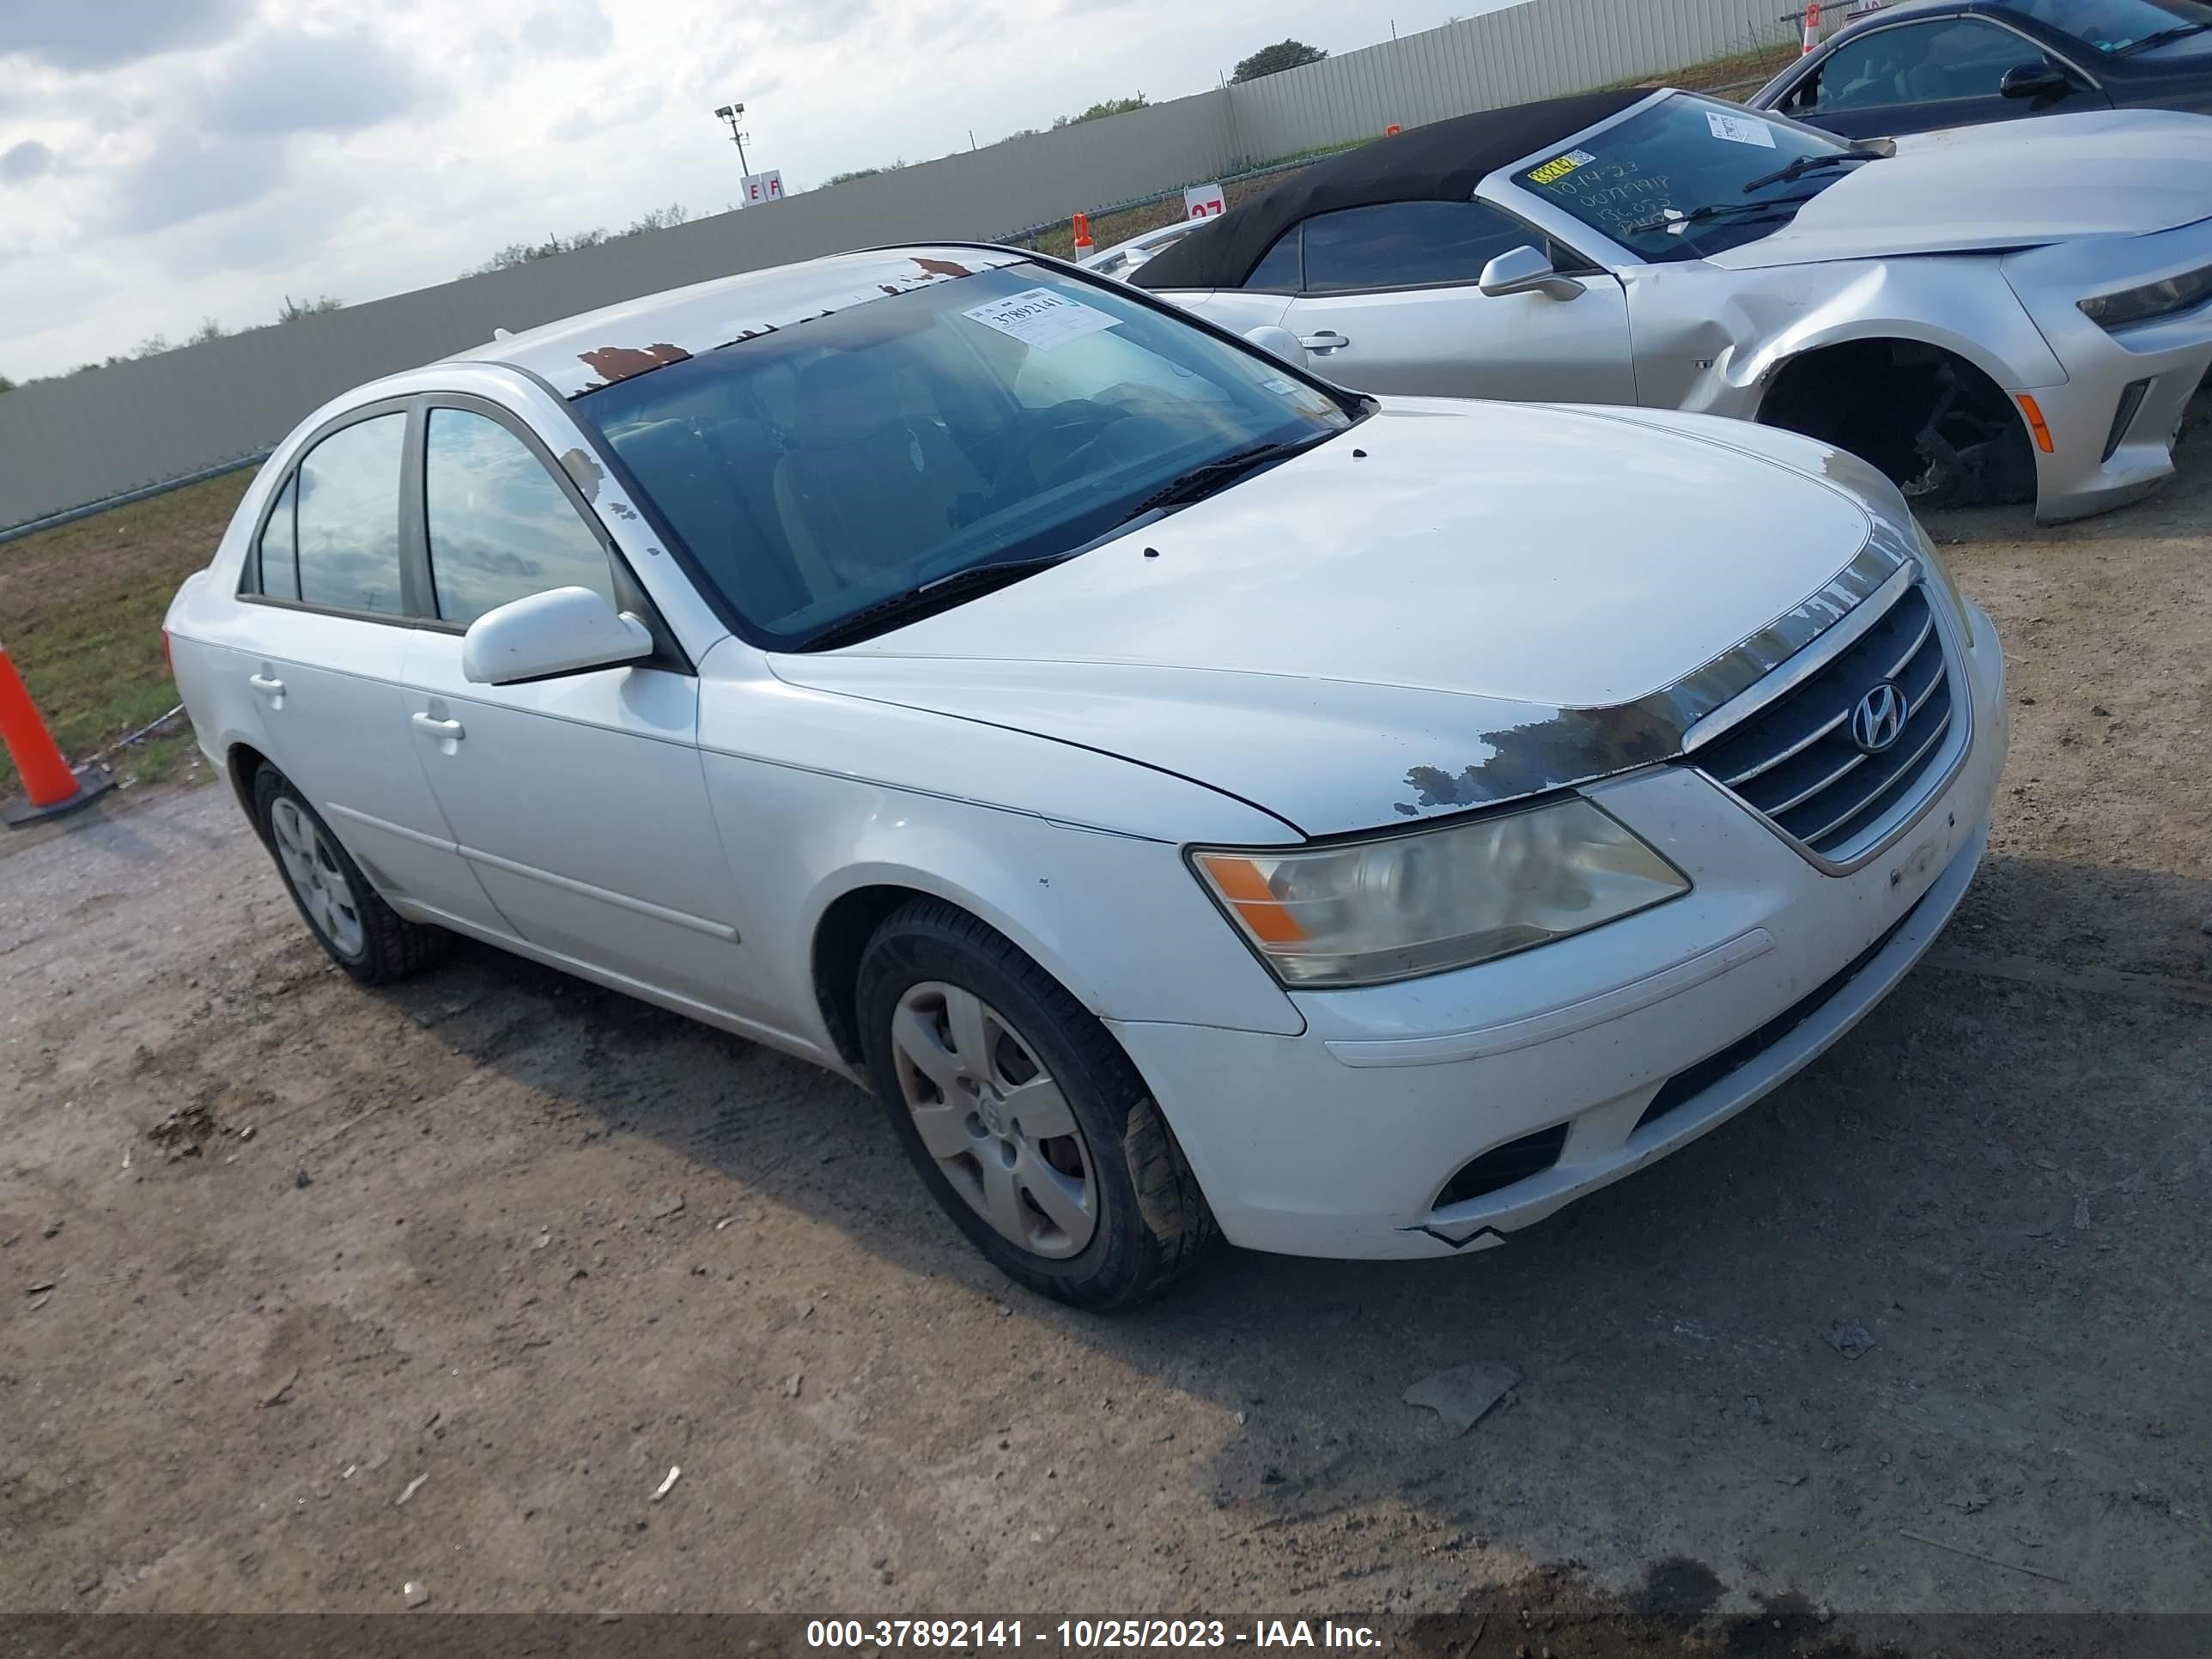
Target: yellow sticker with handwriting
{"points": [[1560, 166]]}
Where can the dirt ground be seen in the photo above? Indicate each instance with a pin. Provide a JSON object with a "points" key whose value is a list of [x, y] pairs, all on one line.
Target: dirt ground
{"points": [[316, 1291]]}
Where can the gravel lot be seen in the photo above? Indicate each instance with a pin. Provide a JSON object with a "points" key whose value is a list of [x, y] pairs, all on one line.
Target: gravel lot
{"points": [[420, 1305]]}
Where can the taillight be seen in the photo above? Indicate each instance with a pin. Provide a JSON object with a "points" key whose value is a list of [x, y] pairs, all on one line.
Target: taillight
{"points": [[168, 662]]}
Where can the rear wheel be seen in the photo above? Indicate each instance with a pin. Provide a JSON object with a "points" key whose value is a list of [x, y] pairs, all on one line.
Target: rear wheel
{"points": [[360, 932], [1022, 1115]]}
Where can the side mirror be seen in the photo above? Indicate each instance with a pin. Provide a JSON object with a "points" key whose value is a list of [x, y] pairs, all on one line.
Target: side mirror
{"points": [[2039, 80], [1526, 270], [1278, 342], [563, 631]]}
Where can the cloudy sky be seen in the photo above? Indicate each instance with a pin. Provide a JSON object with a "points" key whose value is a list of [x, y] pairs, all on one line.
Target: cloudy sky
{"points": [[166, 161]]}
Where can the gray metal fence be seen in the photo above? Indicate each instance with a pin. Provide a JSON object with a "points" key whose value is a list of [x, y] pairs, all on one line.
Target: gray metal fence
{"points": [[93, 436]]}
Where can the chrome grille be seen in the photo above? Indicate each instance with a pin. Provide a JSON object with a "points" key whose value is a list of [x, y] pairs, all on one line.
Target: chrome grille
{"points": [[1795, 761]]}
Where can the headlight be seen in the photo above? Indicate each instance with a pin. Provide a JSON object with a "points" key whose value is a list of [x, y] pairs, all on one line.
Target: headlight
{"points": [[1940, 574], [1434, 899], [2140, 305]]}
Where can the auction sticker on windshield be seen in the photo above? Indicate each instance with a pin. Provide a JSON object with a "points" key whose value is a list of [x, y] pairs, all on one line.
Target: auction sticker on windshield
{"points": [[1741, 129], [1038, 317], [1560, 166]]}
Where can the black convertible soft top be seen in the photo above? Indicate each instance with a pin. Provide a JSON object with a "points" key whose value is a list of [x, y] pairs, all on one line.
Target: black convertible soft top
{"points": [[1444, 160]]}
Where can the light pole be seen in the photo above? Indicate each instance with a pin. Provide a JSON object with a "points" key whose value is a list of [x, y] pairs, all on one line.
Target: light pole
{"points": [[730, 113]]}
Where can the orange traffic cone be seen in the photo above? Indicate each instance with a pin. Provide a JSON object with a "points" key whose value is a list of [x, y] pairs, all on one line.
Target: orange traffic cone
{"points": [[1812, 27], [53, 787], [1083, 242]]}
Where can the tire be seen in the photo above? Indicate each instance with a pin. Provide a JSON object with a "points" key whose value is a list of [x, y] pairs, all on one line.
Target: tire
{"points": [[1104, 1212], [358, 930]]}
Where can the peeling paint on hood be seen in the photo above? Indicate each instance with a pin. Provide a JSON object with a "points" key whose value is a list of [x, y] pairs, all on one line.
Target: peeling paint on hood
{"points": [[1494, 601]]}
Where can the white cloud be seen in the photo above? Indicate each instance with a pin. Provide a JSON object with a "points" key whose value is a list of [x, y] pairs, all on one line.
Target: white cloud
{"points": [[207, 157], [76, 35], [285, 81], [21, 163]]}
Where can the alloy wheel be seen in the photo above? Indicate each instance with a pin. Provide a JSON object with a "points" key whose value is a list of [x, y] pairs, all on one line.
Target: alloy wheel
{"points": [[999, 1126], [312, 870]]}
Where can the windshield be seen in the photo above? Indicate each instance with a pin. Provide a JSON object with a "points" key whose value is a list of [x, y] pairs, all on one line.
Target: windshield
{"points": [[819, 470], [2114, 26], [1683, 153]]}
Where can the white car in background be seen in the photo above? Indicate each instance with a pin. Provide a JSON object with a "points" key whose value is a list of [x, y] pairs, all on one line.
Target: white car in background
{"points": [[2019, 312], [1191, 796], [1123, 258]]}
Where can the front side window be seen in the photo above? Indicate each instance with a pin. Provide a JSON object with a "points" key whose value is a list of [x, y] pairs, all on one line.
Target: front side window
{"points": [[348, 518], [1407, 244], [1004, 417], [1916, 63], [500, 527], [1676, 180]]}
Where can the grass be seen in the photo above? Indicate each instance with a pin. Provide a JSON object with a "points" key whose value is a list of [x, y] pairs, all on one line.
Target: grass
{"points": [[1106, 229], [83, 606], [1748, 70]]}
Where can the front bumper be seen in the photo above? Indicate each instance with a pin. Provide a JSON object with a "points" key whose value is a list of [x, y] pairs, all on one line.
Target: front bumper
{"points": [[2114, 421], [1338, 1141]]}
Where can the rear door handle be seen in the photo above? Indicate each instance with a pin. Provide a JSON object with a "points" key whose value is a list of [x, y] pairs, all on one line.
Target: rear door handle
{"points": [[1327, 340], [429, 725], [265, 685]]}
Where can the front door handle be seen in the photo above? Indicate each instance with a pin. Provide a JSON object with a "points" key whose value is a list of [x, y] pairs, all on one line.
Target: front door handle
{"points": [[266, 685], [446, 731], [1327, 340]]}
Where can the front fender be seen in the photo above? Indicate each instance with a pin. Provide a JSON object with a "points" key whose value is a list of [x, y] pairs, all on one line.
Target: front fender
{"points": [[1712, 341], [1118, 919]]}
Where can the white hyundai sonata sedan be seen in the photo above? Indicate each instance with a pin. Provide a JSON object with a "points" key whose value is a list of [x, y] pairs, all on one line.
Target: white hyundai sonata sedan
{"points": [[1195, 798]]}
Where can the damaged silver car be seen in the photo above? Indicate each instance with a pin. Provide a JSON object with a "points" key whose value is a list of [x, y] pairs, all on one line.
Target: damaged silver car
{"points": [[2008, 313]]}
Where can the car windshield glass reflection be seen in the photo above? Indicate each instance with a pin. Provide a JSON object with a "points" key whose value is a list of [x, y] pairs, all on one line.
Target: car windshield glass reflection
{"points": [[818, 471], [1641, 181]]}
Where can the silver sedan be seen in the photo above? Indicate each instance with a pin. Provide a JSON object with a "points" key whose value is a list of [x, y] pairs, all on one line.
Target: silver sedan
{"points": [[1989, 314]]}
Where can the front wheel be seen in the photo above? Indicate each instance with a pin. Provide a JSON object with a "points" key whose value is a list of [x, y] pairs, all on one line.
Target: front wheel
{"points": [[1023, 1116]]}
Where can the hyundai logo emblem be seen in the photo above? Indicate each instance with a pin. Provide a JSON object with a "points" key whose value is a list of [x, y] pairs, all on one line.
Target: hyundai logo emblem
{"points": [[1879, 721]]}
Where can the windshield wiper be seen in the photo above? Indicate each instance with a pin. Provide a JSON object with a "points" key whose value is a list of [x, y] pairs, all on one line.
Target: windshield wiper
{"points": [[1203, 481], [1713, 210], [2160, 38], [1798, 169], [931, 596]]}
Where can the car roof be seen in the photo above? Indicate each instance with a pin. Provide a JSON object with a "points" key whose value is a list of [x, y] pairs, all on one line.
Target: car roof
{"points": [[1444, 160], [580, 354]]}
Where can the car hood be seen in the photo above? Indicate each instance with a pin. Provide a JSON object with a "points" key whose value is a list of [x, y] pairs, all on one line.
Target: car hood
{"points": [[2005, 185], [1450, 605]]}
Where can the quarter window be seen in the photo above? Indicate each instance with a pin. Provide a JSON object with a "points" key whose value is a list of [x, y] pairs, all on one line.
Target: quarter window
{"points": [[1407, 244], [500, 528], [1278, 269], [348, 518], [277, 556], [1916, 63]]}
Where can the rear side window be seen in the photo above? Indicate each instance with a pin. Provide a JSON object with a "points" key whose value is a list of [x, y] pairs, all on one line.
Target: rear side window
{"points": [[1407, 244], [501, 526], [347, 514], [276, 557]]}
